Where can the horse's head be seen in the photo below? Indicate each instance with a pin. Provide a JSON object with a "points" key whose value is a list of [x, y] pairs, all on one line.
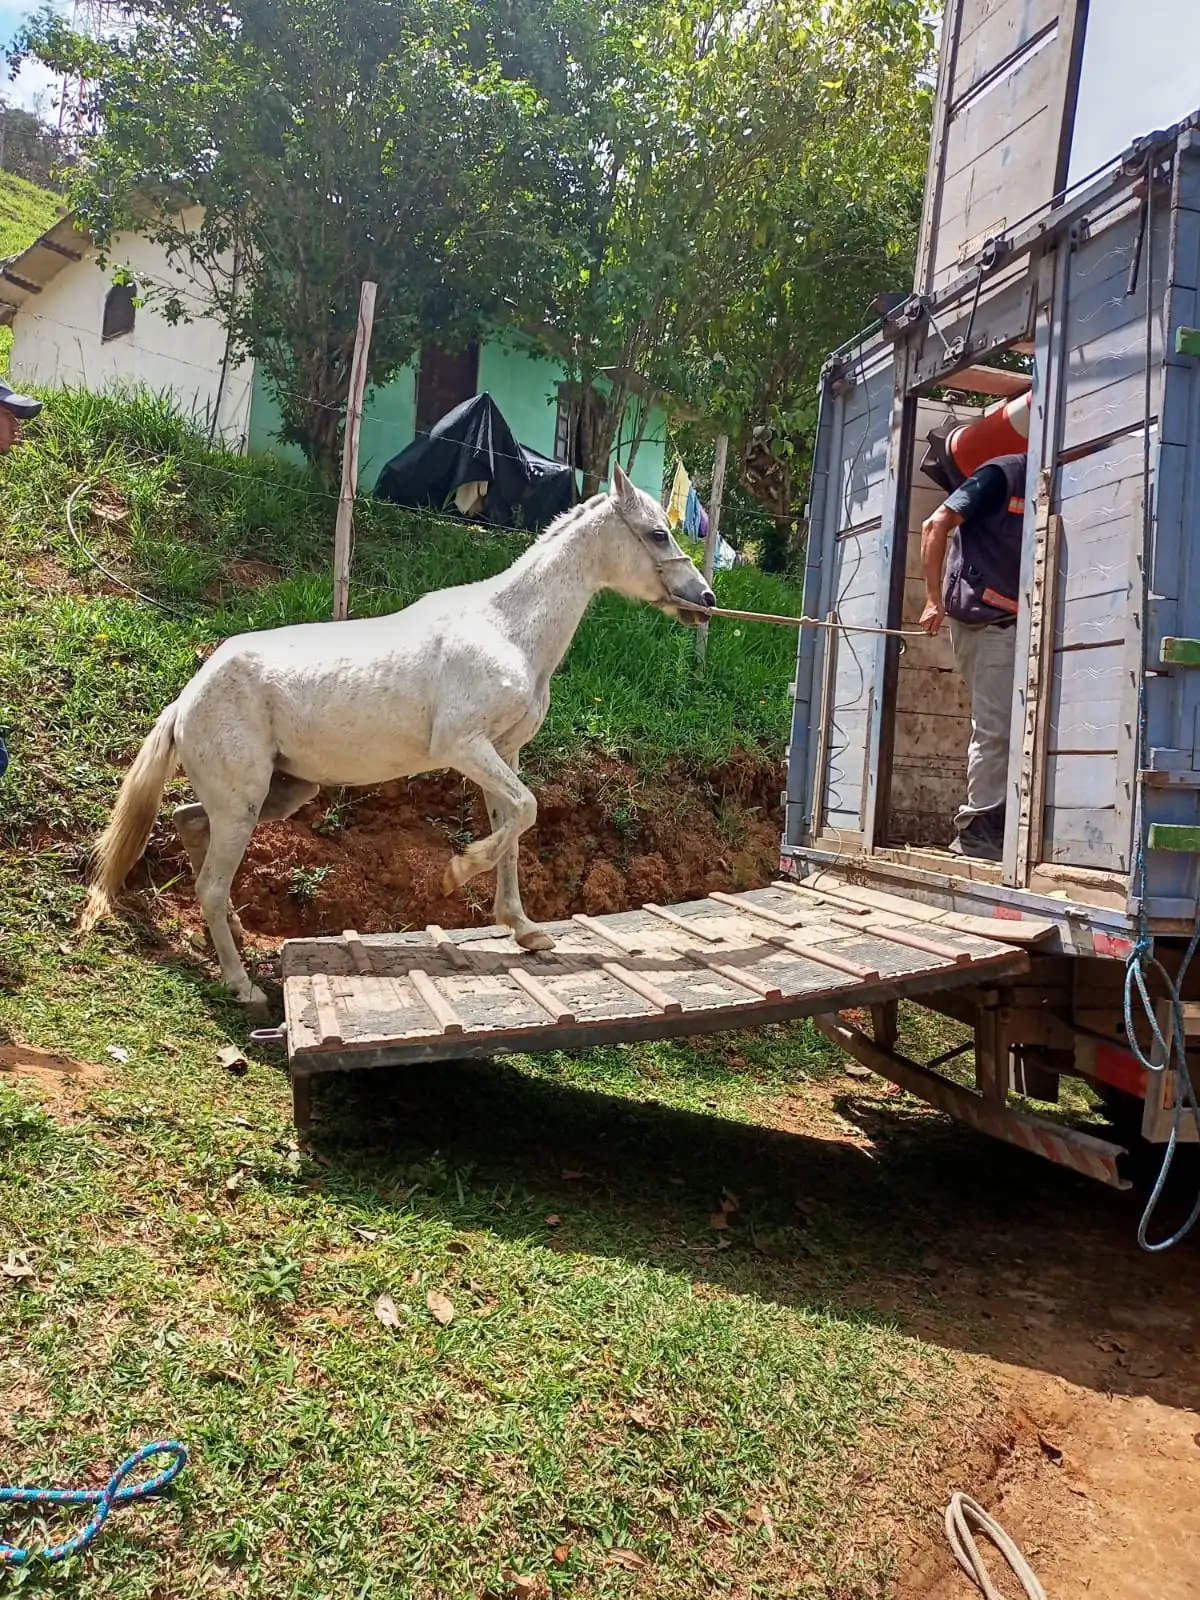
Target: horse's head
{"points": [[651, 565]]}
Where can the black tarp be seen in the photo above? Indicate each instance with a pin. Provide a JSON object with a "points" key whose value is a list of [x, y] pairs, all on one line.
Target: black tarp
{"points": [[473, 443]]}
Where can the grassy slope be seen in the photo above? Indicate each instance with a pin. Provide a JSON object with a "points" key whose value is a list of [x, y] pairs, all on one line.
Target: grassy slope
{"points": [[614, 1378], [25, 212]]}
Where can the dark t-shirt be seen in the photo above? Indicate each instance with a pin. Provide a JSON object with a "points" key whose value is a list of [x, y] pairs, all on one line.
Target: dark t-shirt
{"points": [[981, 495]]}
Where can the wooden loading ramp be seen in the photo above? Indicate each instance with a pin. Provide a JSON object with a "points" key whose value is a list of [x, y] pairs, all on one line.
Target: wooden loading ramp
{"points": [[725, 962]]}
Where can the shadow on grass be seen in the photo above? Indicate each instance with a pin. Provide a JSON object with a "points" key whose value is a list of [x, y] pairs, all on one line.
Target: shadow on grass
{"points": [[954, 1238]]}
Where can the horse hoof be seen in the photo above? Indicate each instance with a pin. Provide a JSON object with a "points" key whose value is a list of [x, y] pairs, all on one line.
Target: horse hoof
{"points": [[535, 939]]}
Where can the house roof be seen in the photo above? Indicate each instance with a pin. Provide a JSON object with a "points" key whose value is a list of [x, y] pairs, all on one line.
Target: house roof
{"points": [[24, 276]]}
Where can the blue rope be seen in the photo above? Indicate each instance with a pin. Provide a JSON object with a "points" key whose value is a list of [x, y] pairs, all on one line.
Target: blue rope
{"points": [[104, 1500]]}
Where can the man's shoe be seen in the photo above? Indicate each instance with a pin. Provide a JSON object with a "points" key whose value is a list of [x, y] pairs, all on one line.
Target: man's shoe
{"points": [[983, 837]]}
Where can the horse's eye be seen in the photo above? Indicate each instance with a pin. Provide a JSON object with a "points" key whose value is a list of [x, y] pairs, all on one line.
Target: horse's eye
{"points": [[660, 535]]}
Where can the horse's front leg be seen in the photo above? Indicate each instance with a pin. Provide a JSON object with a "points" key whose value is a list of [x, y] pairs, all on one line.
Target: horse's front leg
{"points": [[513, 811], [507, 908]]}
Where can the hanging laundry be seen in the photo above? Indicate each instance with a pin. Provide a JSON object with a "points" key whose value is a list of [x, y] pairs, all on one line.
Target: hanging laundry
{"points": [[677, 503], [693, 516]]}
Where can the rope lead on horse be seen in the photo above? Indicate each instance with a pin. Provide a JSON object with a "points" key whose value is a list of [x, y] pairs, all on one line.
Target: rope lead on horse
{"points": [[112, 1494]]}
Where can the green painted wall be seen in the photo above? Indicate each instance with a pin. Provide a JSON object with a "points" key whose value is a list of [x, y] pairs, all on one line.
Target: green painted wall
{"points": [[523, 384]]}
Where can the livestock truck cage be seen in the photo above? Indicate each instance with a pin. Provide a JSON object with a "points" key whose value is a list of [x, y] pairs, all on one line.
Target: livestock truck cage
{"points": [[1097, 288], [1092, 290]]}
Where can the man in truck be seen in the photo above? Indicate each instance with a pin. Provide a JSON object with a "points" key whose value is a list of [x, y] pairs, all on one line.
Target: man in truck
{"points": [[980, 523]]}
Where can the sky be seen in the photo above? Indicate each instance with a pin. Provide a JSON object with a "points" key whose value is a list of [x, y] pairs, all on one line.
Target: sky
{"points": [[34, 80], [1141, 71]]}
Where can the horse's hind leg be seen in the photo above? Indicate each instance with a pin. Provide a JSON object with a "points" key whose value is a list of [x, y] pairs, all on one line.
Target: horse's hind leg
{"points": [[285, 796], [191, 824], [231, 821]]}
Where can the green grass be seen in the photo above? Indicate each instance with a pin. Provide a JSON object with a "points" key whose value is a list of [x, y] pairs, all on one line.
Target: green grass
{"points": [[25, 213], [620, 1375]]}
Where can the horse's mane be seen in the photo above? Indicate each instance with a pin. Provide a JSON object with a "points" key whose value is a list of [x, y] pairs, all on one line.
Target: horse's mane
{"points": [[568, 519]]}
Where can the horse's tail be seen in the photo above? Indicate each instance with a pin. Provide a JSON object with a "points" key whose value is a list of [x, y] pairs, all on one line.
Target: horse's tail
{"points": [[128, 832]]}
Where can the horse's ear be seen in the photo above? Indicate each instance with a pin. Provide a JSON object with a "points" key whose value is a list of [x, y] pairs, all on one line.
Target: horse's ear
{"points": [[622, 489]]}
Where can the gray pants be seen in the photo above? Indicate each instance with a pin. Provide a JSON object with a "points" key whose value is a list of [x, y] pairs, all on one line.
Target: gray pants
{"points": [[986, 656]]}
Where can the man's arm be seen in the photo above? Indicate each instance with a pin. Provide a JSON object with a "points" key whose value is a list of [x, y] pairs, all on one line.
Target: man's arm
{"points": [[935, 535]]}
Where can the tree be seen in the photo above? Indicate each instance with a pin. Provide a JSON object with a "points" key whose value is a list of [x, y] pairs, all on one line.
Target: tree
{"points": [[729, 178], [836, 227], [328, 141]]}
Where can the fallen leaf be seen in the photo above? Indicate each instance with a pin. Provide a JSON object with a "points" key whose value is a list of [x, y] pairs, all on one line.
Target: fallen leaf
{"points": [[1051, 1451], [370, 1234], [569, 1175], [729, 1202], [117, 1053], [17, 1265], [855, 1069], [553, 1220], [386, 1311], [760, 1517], [641, 1417], [232, 1059], [931, 1264], [240, 1122], [787, 1392], [718, 1521], [562, 1554], [440, 1308], [718, 1220], [626, 1558], [458, 1247], [234, 1182], [523, 1588], [414, 1278]]}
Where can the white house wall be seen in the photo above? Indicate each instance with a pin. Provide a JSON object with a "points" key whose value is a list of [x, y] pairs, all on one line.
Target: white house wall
{"points": [[57, 341]]}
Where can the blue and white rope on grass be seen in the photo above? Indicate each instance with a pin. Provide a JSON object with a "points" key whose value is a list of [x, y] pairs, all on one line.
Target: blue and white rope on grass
{"points": [[104, 1500]]}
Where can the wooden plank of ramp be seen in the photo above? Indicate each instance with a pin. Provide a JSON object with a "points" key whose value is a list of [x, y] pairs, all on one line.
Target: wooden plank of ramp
{"points": [[746, 909], [541, 995], [625, 943], [328, 1028], [745, 980], [787, 941], [688, 924], [912, 941], [659, 998], [359, 953], [435, 1002], [447, 946]]}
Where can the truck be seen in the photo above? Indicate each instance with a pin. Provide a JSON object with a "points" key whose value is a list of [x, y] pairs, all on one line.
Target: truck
{"points": [[1056, 314]]}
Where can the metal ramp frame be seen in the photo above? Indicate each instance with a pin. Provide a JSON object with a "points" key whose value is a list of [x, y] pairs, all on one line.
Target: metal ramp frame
{"points": [[726, 962]]}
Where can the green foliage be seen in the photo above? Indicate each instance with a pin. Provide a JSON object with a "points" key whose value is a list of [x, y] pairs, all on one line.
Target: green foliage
{"points": [[329, 142]]}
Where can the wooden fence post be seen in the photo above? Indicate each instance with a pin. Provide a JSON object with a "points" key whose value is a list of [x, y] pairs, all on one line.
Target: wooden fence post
{"points": [[714, 528], [343, 535]]}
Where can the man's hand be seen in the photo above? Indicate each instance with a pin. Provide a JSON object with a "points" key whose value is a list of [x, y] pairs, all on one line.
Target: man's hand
{"points": [[932, 616], [10, 431]]}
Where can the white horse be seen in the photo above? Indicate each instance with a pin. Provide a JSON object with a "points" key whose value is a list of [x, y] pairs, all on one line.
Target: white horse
{"points": [[459, 679]]}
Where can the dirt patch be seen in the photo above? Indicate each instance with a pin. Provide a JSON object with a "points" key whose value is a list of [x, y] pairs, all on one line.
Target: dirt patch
{"points": [[241, 574], [1089, 1455], [59, 1080], [605, 839]]}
